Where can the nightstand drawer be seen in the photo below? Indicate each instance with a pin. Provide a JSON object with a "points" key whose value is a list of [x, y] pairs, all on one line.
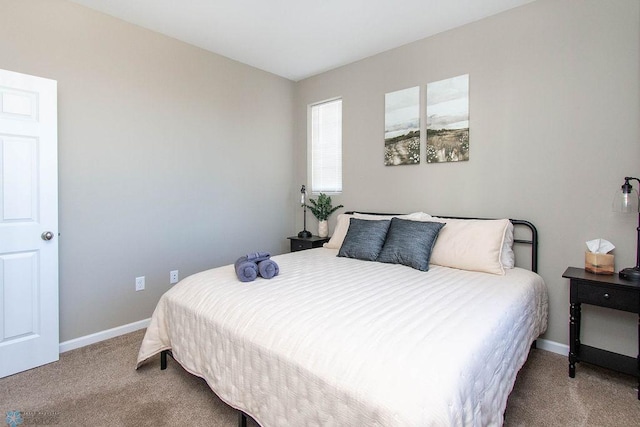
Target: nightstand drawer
{"points": [[300, 245], [619, 299]]}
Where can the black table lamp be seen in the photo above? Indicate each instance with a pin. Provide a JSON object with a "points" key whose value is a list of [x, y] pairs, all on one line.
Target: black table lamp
{"points": [[626, 201], [303, 196]]}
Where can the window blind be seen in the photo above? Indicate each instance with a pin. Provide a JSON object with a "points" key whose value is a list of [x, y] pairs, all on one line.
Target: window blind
{"points": [[326, 147]]}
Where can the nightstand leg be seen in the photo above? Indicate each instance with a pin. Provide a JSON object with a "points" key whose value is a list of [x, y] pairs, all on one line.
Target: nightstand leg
{"points": [[574, 337]]}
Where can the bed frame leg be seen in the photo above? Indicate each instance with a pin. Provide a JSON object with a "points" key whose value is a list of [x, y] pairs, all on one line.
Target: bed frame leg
{"points": [[163, 359], [242, 419]]}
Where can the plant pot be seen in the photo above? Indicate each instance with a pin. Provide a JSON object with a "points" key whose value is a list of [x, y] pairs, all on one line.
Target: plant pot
{"points": [[323, 228]]}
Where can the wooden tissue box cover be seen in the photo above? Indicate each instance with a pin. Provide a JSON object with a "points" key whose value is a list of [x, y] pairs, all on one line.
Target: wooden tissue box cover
{"points": [[598, 263]]}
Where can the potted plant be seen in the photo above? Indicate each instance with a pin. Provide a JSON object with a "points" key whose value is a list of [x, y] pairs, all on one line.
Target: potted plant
{"points": [[322, 209]]}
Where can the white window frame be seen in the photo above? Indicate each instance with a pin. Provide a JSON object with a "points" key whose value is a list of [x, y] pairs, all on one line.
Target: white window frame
{"points": [[317, 153]]}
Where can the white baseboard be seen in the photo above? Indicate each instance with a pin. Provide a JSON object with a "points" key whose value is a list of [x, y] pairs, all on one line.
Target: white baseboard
{"points": [[103, 335], [553, 347]]}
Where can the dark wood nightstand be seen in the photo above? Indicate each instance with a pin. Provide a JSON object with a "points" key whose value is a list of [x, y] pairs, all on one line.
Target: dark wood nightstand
{"points": [[603, 291], [302, 243]]}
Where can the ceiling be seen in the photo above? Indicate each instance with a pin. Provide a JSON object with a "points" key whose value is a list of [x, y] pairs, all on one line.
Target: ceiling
{"points": [[297, 39]]}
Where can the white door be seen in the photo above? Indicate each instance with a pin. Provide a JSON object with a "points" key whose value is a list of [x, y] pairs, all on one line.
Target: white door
{"points": [[28, 211]]}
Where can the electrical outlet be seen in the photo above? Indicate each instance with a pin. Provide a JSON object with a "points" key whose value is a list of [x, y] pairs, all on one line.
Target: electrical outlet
{"points": [[173, 277], [140, 283]]}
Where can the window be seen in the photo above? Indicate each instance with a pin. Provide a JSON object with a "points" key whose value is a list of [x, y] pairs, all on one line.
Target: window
{"points": [[326, 147]]}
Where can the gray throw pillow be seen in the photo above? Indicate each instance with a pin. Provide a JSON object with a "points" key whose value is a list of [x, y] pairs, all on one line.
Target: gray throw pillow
{"points": [[364, 239], [410, 243]]}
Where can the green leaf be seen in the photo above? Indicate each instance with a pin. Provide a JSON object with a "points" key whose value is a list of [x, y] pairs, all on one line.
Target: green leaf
{"points": [[322, 208]]}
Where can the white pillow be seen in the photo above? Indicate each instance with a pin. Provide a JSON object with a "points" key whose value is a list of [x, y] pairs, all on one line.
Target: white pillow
{"points": [[508, 257], [342, 225], [371, 217], [415, 216], [471, 244]]}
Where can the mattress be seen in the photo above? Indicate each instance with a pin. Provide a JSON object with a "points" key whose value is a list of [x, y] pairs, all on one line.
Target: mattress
{"points": [[336, 341]]}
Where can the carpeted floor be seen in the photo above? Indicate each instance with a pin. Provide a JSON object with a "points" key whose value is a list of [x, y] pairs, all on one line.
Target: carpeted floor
{"points": [[98, 386]]}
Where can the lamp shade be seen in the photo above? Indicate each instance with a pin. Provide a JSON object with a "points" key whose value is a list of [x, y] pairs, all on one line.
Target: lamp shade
{"points": [[626, 199]]}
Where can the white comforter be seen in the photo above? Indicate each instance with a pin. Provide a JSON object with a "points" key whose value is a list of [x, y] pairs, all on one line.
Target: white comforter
{"points": [[341, 342]]}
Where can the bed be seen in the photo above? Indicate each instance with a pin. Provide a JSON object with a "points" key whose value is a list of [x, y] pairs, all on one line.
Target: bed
{"points": [[340, 341]]}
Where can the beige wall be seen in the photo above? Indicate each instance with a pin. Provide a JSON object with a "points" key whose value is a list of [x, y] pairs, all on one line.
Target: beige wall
{"points": [[554, 107], [170, 157], [175, 158]]}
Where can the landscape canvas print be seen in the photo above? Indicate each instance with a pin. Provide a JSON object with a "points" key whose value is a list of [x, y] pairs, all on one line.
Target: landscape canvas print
{"points": [[402, 127], [448, 120]]}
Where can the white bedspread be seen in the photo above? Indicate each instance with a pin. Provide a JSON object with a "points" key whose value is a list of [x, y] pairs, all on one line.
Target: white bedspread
{"points": [[341, 342]]}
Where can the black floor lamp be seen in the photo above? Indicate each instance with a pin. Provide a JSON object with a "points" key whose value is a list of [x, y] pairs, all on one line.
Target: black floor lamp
{"points": [[626, 200], [303, 200]]}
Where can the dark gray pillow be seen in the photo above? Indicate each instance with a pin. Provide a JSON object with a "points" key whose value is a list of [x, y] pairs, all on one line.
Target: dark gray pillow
{"points": [[410, 243], [364, 239]]}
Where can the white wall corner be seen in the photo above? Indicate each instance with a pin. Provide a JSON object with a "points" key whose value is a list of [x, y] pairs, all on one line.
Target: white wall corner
{"points": [[103, 335]]}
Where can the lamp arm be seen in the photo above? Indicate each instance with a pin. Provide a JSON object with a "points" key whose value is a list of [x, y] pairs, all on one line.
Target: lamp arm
{"points": [[630, 178]]}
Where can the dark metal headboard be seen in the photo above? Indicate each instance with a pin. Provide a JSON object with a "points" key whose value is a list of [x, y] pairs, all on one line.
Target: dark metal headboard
{"points": [[533, 240]]}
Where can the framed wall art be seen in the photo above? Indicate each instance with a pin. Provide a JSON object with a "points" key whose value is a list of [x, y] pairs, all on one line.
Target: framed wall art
{"points": [[448, 120], [402, 127]]}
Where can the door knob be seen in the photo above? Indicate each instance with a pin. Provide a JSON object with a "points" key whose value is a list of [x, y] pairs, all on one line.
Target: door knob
{"points": [[47, 235]]}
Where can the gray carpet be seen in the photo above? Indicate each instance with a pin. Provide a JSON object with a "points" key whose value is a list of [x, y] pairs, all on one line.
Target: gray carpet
{"points": [[98, 386]]}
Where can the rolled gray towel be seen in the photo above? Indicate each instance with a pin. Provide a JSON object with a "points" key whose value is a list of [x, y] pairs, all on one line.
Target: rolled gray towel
{"points": [[268, 269], [246, 270], [258, 256]]}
